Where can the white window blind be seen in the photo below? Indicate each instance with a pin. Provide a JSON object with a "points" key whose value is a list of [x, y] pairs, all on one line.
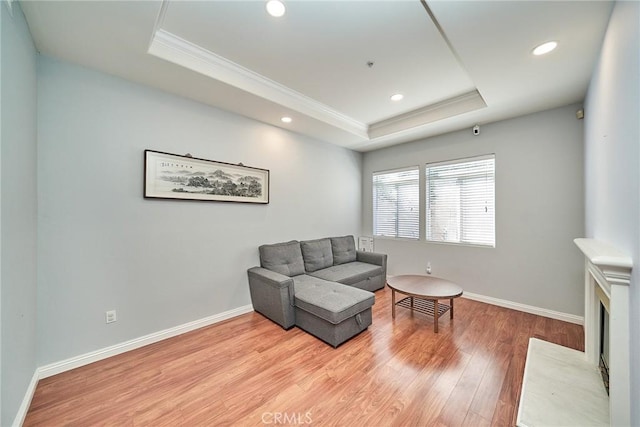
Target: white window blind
{"points": [[396, 209], [461, 201]]}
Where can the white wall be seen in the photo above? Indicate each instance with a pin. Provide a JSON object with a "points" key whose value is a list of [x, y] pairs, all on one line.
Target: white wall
{"points": [[18, 225], [161, 263], [539, 211], [612, 157]]}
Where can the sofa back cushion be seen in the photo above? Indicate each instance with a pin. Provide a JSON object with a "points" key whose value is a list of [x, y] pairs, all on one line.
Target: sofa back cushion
{"points": [[284, 258], [344, 249], [317, 254]]}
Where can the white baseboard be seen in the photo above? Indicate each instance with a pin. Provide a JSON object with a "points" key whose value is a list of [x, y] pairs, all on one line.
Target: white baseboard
{"points": [[26, 402], [94, 356], [565, 317]]}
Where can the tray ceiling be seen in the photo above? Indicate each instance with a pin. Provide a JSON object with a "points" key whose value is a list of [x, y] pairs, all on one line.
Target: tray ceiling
{"points": [[333, 65]]}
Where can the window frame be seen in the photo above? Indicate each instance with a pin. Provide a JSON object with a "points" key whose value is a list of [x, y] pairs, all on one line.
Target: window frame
{"points": [[374, 188], [426, 202]]}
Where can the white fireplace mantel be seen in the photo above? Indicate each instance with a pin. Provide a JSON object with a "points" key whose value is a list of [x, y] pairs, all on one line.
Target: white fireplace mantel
{"points": [[614, 265], [610, 269]]}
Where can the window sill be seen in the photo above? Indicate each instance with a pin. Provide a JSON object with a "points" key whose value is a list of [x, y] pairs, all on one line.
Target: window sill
{"points": [[402, 239], [470, 245]]}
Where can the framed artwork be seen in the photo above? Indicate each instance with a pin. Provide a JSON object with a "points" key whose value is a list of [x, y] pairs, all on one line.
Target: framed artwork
{"points": [[171, 176]]}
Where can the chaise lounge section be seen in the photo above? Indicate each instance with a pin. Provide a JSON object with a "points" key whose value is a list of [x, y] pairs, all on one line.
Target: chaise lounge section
{"points": [[323, 286]]}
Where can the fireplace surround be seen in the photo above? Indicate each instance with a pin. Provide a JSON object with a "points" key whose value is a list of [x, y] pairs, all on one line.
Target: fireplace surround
{"points": [[607, 276], [562, 386]]}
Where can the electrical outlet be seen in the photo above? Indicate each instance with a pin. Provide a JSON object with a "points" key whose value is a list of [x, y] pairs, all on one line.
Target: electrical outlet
{"points": [[110, 316], [428, 268]]}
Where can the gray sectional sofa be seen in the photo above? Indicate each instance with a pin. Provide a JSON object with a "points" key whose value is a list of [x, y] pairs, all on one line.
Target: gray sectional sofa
{"points": [[323, 286]]}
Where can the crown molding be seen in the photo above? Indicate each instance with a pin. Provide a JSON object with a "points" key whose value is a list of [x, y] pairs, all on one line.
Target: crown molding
{"points": [[162, 13], [172, 48], [9, 4], [460, 104]]}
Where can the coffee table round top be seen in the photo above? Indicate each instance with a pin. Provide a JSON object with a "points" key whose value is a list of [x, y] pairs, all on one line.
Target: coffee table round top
{"points": [[424, 286]]}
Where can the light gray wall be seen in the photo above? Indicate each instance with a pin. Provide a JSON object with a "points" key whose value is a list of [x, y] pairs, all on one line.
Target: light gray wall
{"points": [[161, 263], [19, 202], [539, 211], [1, 17], [612, 157]]}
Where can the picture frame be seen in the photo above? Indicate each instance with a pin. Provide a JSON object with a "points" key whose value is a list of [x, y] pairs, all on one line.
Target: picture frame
{"points": [[172, 176]]}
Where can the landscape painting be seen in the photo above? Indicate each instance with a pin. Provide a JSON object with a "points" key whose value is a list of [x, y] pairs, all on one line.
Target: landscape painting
{"points": [[171, 176]]}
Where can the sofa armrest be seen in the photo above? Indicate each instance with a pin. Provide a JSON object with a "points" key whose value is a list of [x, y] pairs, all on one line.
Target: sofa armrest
{"points": [[372, 258], [272, 294], [269, 277], [375, 259]]}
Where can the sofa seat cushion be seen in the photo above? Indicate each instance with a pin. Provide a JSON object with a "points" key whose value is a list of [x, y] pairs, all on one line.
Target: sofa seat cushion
{"points": [[316, 254], [283, 258], [330, 301], [350, 273]]}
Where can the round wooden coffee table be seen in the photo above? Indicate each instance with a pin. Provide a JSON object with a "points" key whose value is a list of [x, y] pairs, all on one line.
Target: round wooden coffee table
{"points": [[427, 290]]}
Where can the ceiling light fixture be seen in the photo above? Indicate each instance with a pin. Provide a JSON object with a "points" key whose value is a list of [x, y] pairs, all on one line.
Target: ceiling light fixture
{"points": [[286, 119], [397, 97], [275, 8], [545, 48]]}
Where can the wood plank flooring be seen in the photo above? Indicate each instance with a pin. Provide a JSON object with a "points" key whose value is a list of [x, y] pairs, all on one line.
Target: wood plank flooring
{"points": [[249, 371]]}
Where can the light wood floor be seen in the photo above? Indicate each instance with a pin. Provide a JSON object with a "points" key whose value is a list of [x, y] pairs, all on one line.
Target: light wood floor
{"points": [[249, 371]]}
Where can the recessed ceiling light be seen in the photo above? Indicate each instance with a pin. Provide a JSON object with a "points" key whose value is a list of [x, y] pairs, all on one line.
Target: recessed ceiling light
{"points": [[275, 8], [286, 119], [545, 48], [397, 97]]}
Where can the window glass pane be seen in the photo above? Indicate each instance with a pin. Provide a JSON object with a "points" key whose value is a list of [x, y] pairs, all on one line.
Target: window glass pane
{"points": [[395, 203], [460, 202]]}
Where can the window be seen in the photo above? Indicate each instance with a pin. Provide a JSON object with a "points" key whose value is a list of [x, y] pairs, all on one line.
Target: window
{"points": [[395, 203], [461, 201]]}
